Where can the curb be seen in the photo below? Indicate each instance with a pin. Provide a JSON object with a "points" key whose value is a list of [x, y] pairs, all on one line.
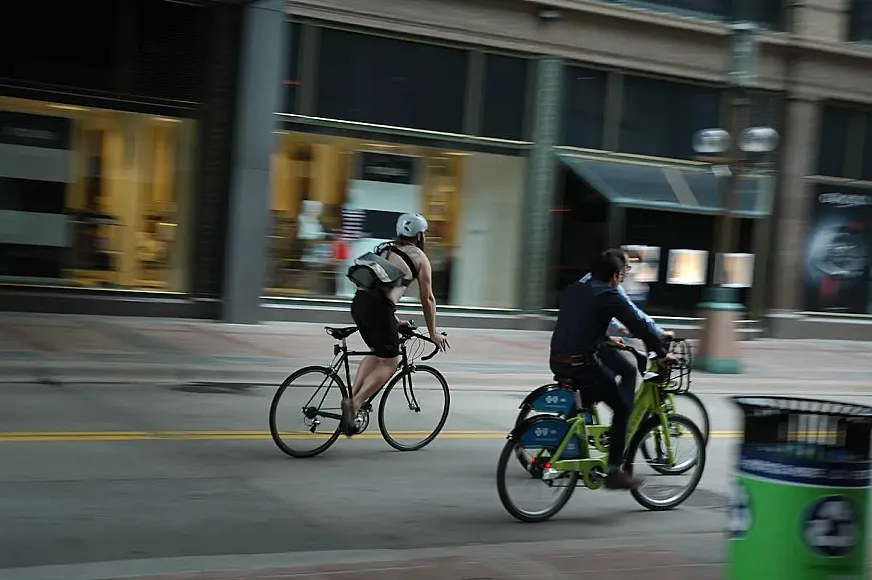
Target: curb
{"points": [[239, 566]]}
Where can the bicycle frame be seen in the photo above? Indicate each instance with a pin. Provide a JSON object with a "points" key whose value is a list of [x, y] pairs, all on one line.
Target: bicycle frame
{"points": [[341, 356], [648, 402]]}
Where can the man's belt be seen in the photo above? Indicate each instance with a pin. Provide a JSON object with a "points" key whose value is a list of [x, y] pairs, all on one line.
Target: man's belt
{"points": [[576, 360]]}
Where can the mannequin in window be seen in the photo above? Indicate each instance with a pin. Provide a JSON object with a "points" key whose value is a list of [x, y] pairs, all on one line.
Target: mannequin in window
{"points": [[311, 235], [309, 224]]}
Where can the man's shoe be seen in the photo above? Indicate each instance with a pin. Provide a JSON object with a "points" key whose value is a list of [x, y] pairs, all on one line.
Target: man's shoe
{"points": [[619, 479], [346, 425]]}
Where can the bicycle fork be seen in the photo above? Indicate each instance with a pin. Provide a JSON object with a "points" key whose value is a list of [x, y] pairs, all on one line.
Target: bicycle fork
{"points": [[663, 438], [409, 392]]}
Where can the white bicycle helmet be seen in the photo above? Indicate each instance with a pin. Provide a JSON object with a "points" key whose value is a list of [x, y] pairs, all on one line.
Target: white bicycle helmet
{"points": [[410, 225]]}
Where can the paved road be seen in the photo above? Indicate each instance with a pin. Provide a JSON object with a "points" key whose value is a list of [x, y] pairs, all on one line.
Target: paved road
{"points": [[101, 480], [104, 464], [102, 473]]}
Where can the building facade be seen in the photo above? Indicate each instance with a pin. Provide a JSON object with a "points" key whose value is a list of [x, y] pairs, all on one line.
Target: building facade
{"points": [[227, 159]]}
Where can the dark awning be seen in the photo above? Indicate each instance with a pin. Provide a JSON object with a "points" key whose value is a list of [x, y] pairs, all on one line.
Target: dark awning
{"points": [[687, 187]]}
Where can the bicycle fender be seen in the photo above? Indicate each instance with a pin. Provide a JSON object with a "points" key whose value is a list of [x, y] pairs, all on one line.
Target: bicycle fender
{"points": [[545, 432], [551, 399], [536, 393]]}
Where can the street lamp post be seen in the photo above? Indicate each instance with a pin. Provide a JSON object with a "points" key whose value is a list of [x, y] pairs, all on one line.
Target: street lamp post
{"points": [[729, 156]]}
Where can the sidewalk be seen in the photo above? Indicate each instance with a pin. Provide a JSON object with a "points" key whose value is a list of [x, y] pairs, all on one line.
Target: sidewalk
{"points": [[639, 559], [60, 348]]}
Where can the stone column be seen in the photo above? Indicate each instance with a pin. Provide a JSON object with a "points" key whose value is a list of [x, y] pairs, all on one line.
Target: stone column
{"points": [[799, 158], [817, 20], [538, 223], [262, 66]]}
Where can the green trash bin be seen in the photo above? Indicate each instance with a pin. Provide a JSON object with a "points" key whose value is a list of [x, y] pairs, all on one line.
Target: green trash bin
{"points": [[800, 499]]}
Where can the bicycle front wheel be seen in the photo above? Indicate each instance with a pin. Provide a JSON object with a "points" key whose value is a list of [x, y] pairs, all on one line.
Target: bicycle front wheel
{"points": [[414, 408], [671, 485], [306, 410], [687, 405]]}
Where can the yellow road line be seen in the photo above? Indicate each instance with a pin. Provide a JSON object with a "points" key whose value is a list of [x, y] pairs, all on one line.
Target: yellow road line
{"points": [[73, 436]]}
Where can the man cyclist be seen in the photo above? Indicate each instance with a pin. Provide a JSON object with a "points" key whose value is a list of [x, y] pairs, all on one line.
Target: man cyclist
{"points": [[580, 350], [615, 326], [374, 313], [632, 366]]}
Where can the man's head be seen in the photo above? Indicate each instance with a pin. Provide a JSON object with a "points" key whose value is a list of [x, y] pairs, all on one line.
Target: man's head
{"points": [[411, 228], [610, 267]]}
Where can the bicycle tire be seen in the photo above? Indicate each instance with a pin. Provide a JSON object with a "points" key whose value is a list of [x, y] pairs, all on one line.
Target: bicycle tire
{"points": [[646, 452], [507, 455], [273, 429], [645, 428], [411, 371]]}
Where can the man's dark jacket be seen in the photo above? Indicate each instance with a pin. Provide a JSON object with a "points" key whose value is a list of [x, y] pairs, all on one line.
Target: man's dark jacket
{"points": [[586, 309]]}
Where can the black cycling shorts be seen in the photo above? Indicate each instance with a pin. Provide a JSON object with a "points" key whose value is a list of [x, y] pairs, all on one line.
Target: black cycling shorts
{"points": [[373, 313]]}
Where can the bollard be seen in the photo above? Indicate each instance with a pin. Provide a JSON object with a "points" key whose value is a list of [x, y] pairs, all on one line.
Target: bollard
{"points": [[799, 504]]}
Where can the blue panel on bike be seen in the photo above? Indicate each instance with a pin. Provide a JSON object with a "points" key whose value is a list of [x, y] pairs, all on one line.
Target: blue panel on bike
{"points": [[549, 433], [561, 401], [573, 450]]}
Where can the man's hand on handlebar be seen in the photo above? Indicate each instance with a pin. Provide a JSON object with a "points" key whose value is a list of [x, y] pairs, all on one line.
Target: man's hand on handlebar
{"points": [[617, 341], [667, 336], [440, 339]]}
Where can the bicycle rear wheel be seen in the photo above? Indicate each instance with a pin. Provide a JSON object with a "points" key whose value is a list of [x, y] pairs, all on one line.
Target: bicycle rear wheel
{"points": [[308, 406], [530, 476], [418, 415]]}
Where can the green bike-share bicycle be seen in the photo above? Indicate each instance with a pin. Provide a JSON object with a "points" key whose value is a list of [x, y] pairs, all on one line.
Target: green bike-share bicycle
{"points": [[556, 399], [556, 449]]}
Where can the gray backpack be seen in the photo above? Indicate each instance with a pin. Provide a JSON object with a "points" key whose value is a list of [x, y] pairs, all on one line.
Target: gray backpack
{"points": [[373, 272]]}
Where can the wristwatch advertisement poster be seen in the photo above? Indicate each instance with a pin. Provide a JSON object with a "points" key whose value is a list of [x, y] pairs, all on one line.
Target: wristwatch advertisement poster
{"points": [[837, 266]]}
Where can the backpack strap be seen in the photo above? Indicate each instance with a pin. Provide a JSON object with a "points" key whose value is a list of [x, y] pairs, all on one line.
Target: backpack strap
{"points": [[405, 258]]}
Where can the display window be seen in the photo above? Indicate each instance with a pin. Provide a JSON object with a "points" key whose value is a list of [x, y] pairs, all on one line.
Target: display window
{"points": [[335, 198], [687, 267], [838, 269], [93, 197]]}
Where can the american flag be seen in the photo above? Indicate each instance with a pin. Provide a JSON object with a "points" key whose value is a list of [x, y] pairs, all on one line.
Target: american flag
{"points": [[352, 223]]}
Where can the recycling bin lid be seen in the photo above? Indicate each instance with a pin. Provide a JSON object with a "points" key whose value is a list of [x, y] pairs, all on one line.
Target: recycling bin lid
{"points": [[777, 405], [806, 428]]}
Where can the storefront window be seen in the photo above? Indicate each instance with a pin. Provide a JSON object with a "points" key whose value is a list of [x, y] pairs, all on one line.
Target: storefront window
{"points": [[334, 198], [93, 197]]}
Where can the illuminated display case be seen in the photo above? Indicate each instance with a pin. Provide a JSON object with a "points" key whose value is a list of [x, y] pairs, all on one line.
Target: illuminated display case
{"points": [[94, 197], [739, 269], [687, 267], [647, 268]]}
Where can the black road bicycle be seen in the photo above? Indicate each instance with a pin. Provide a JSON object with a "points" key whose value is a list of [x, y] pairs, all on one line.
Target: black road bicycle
{"points": [[318, 414]]}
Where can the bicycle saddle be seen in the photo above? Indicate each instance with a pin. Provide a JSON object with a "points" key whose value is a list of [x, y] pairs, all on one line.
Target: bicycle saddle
{"points": [[340, 333]]}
